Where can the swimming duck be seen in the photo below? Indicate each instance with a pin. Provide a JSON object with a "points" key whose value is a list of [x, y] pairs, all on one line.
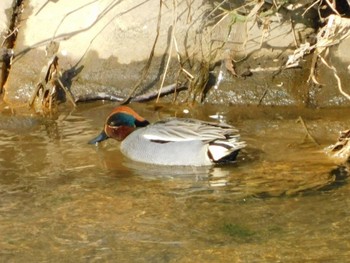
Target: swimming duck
{"points": [[174, 141]]}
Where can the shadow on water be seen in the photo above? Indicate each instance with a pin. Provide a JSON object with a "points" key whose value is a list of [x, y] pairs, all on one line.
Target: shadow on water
{"points": [[341, 177], [63, 200]]}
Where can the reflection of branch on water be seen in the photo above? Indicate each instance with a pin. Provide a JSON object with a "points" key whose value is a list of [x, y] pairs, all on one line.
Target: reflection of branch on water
{"points": [[308, 134]]}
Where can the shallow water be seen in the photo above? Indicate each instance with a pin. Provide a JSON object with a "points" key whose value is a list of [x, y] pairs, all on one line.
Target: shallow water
{"points": [[62, 200]]}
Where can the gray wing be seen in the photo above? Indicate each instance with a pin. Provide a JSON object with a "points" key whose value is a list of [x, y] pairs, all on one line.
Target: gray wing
{"points": [[187, 130]]}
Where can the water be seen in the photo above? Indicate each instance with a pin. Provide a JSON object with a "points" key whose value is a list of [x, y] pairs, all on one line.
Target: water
{"points": [[62, 200]]}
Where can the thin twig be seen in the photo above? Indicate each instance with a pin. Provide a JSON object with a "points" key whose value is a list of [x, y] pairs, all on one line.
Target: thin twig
{"points": [[68, 14], [251, 14], [170, 48], [308, 134], [150, 58], [332, 7], [66, 36], [216, 8], [307, 9], [336, 77], [14, 31], [262, 97], [68, 93], [225, 14], [179, 59], [294, 35], [339, 84]]}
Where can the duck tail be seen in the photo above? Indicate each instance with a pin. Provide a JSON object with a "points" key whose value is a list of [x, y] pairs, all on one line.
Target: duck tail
{"points": [[223, 151]]}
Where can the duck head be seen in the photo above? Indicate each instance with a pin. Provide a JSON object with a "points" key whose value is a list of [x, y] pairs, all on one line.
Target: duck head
{"points": [[120, 123]]}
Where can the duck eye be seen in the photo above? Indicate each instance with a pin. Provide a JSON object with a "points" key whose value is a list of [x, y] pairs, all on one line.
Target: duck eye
{"points": [[121, 119], [115, 123]]}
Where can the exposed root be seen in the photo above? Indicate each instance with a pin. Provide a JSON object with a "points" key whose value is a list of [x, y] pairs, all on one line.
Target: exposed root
{"points": [[336, 29], [337, 78], [12, 33], [346, 95], [44, 97], [341, 149]]}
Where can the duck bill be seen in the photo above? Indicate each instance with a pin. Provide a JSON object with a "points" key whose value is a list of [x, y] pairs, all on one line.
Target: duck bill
{"points": [[101, 137]]}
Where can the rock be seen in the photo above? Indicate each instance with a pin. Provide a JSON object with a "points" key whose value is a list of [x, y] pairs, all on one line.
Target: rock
{"points": [[103, 45], [5, 54]]}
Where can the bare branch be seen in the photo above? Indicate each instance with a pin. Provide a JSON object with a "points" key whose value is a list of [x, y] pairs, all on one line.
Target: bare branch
{"points": [[339, 84], [170, 48]]}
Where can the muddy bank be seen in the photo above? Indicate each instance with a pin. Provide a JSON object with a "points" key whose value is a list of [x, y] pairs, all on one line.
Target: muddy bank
{"points": [[220, 53]]}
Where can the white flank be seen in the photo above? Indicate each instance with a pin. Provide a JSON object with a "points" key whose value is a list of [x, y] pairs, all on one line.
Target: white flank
{"points": [[218, 152]]}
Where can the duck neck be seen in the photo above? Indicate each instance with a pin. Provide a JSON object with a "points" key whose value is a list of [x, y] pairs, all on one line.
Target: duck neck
{"points": [[123, 132], [119, 133], [142, 123]]}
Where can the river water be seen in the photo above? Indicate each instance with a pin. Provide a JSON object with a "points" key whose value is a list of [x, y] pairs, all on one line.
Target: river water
{"points": [[285, 200]]}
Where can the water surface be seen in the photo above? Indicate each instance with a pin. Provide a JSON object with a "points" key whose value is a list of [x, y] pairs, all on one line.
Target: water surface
{"points": [[62, 200]]}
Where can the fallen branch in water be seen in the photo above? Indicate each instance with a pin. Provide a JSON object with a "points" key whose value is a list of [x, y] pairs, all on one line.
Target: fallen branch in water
{"points": [[139, 98], [341, 149]]}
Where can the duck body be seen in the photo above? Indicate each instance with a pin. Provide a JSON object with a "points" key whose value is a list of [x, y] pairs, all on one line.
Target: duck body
{"points": [[174, 141]]}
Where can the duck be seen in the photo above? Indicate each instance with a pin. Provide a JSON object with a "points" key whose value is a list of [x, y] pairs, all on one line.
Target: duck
{"points": [[172, 141]]}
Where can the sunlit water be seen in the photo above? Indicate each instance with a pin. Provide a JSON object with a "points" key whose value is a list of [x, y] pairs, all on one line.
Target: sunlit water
{"points": [[62, 200]]}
